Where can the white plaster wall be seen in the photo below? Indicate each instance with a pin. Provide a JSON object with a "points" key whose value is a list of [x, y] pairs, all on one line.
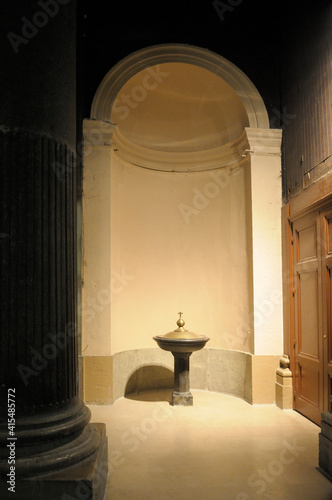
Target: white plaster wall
{"points": [[179, 241], [267, 265], [96, 248]]}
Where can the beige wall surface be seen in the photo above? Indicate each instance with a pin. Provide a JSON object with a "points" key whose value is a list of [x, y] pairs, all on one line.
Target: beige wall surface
{"points": [[206, 243], [179, 241]]}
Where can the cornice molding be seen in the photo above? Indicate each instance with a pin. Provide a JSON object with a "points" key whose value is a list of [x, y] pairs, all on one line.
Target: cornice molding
{"points": [[264, 141], [195, 161], [253, 141]]}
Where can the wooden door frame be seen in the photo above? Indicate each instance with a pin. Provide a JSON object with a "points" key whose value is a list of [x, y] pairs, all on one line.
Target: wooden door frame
{"points": [[316, 197]]}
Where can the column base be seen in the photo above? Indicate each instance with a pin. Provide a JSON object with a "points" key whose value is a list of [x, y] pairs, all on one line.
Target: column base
{"points": [[86, 479], [182, 399], [325, 445]]}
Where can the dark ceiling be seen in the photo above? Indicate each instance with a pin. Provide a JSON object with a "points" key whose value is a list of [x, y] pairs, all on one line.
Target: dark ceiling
{"points": [[236, 29], [256, 36]]}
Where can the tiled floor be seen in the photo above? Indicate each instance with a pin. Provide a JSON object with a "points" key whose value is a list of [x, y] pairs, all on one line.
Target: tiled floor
{"points": [[220, 448]]}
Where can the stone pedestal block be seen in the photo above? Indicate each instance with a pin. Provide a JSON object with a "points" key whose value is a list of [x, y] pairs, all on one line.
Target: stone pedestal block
{"points": [[182, 399], [84, 480], [325, 445], [284, 385]]}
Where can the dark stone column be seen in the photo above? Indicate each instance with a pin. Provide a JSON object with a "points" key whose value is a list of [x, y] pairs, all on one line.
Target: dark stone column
{"points": [[45, 427], [182, 395]]}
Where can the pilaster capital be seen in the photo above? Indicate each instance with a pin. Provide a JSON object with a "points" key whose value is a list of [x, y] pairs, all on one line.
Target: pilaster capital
{"points": [[264, 141], [97, 133]]}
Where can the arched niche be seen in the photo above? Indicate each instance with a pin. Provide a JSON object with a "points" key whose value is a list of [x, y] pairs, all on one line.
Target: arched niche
{"points": [[181, 209], [128, 67]]}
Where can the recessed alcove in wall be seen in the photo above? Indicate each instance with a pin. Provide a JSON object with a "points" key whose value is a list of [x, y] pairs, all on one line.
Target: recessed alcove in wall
{"points": [[181, 210], [178, 107], [149, 378]]}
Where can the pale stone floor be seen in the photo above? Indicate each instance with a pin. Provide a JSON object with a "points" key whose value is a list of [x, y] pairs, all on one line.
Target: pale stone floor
{"points": [[220, 448]]}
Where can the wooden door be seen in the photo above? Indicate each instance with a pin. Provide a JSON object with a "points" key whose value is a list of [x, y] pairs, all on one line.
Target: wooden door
{"points": [[308, 335], [326, 231]]}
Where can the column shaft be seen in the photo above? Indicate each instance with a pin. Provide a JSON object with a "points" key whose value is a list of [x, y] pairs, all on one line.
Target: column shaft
{"points": [[38, 191], [182, 395]]}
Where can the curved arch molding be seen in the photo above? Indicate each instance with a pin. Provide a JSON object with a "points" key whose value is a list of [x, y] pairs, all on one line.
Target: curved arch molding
{"points": [[159, 54]]}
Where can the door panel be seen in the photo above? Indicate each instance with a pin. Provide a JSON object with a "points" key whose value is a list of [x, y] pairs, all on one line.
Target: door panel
{"points": [[327, 305], [308, 313], [307, 242], [308, 383]]}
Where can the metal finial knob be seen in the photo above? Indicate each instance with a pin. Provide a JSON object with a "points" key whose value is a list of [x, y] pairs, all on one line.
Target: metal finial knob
{"points": [[180, 321]]}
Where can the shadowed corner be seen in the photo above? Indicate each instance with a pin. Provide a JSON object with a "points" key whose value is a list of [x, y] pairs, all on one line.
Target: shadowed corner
{"points": [[150, 383]]}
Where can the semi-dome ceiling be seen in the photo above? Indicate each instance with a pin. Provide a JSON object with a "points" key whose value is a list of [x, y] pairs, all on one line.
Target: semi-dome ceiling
{"points": [[178, 107]]}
